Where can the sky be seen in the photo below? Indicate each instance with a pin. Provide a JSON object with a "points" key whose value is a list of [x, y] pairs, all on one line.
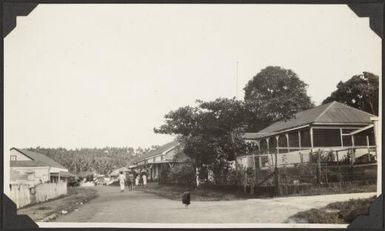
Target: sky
{"points": [[105, 75]]}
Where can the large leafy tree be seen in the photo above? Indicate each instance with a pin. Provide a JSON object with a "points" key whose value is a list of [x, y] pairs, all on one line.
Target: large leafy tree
{"points": [[208, 131], [360, 91], [274, 94]]}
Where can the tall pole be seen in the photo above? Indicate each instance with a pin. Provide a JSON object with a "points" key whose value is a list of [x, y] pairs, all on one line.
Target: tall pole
{"points": [[236, 82], [377, 137], [276, 175]]}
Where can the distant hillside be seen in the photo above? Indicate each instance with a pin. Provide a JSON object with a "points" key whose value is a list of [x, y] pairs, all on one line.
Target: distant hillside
{"points": [[100, 160]]}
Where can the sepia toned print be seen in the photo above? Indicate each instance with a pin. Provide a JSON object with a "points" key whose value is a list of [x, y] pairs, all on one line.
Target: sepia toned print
{"points": [[192, 115]]}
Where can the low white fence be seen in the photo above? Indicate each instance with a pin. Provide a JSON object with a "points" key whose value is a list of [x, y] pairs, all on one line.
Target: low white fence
{"points": [[266, 161], [20, 194], [24, 194]]}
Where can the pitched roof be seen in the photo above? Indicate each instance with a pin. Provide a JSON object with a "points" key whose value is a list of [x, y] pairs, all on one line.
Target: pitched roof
{"points": [[116, 172], [329, 113], [157, 151], [40, 158]]}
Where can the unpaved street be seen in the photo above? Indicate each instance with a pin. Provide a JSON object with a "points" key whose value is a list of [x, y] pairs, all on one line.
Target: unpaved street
{"points": [[139, 207]]}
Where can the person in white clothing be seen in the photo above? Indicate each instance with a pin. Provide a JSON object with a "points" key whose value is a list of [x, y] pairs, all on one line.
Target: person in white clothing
{"points": [[137, 179], [144, 178], [122, 181]]}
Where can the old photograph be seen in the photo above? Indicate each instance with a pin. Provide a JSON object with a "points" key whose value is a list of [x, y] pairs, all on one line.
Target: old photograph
{"points": [[178, 115]]}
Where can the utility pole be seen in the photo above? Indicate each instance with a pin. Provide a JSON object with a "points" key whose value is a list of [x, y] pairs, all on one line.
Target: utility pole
{"points": [[236, 83]]}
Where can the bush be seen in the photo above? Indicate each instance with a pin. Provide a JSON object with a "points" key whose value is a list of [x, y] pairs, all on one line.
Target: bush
{"points": [[317, 216], [335, 213], [183, 174], [164, 175], [352, 208]]}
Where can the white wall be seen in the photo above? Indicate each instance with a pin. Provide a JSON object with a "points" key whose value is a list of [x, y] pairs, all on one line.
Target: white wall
{"points": [[55, 170], [19, 156], [32, 175]]}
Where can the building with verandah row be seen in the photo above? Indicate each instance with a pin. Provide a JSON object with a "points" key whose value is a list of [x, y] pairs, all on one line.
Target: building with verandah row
{"points": [[334, 127]]}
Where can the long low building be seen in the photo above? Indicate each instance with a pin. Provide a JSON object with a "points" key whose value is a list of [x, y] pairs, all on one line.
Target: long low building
{"points": [[152, 162], [35, 168], [333, 126]]}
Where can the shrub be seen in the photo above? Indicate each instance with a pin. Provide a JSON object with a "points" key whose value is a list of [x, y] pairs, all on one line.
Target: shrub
{"points": [[183, 174]]}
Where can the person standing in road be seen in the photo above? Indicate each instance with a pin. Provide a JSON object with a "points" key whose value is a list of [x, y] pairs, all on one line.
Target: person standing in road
{"points": [[144, 178], [137, 179], [132, 181], [122, 181]]}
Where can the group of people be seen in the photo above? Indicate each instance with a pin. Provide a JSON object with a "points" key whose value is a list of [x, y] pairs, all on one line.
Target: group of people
{"points": [[133, 179]]}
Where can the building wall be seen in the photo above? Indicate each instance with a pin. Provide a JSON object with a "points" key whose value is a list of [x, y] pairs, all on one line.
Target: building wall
{"points": [[154, 172], [55, 170], [32, 175], [18, 155], [170, 154]]}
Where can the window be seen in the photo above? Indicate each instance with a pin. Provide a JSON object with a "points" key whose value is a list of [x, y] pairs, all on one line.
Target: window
{"points": [[327, 137], [13, 157]]}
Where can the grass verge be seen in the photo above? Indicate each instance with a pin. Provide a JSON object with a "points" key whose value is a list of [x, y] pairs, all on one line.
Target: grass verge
{"points": [[75, 198], [174, 192], [334, 213]]}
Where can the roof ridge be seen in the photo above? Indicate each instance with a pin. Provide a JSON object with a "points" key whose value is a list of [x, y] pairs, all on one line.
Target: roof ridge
{"points": [[345, 105], [21, 150], [325, 110], [295, 115]]}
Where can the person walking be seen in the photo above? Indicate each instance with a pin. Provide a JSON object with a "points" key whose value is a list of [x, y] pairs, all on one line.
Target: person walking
{"points": [[186, 199], [137, 179], [144, 178], [132, 181], [122, 181]]}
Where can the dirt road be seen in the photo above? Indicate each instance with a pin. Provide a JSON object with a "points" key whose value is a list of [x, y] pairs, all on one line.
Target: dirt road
{"points": [[139, 207]]}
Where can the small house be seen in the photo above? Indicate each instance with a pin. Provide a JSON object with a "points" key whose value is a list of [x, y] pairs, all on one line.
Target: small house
{"points": [[35, 177], [35, 168]]}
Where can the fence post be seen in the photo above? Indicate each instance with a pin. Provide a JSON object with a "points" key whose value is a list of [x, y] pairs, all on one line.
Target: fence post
{"points": [[368, 144], [245, 182], [340, 178], [353, 156], [326, 173], [319, 166], [276, 176]]}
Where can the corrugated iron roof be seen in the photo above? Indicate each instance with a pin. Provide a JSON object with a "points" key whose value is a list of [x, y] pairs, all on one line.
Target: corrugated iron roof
{"points": [[330, 113], [40, 157], [116, 172]]}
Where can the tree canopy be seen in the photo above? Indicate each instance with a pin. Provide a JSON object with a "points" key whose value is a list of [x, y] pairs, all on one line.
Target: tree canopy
{"points": [[208, 131], [274, 94], [99, 160], [361, 91]]}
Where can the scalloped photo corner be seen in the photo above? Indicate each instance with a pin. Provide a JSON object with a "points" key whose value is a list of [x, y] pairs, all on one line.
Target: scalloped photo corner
{"points": [[192, 116]]}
